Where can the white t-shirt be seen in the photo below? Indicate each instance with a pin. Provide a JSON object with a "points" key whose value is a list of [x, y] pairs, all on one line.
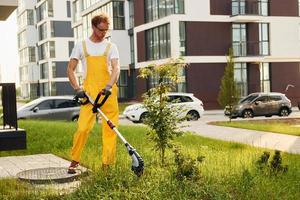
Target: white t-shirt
{"points": [[94, 49]]}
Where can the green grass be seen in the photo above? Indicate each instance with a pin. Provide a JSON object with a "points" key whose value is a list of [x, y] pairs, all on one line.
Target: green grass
{"points": [[275, 126], [227, 172]]}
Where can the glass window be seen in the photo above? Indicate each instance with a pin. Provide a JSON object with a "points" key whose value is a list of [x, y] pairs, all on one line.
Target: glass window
{"points": [[50, 8], [132, 49], [156, 9], [45, 105], [182, 38], [264, 39], [52, 49], [131, 14], [158, 42], [123, 84], [30, 19], [44, 71], [239, 39], [53, 69], [53, 89], [240, 76], [265, 85], [43, 31], [118, 15], [31, 52], [65, 103]]}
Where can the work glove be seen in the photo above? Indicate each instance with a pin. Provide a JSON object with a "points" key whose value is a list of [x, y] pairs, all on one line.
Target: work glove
{"points": [[80, 93], [107, 90]]}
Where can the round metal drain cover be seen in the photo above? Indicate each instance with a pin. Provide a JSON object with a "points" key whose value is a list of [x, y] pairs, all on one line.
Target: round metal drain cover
{"points": [[48, 175]]}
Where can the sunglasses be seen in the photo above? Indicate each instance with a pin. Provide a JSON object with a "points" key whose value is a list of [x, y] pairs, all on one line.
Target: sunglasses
{"points": [[101, 30]]}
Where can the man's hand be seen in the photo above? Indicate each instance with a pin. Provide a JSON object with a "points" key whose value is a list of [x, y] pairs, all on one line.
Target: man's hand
{"points": [[80, 93], [107, 90]]}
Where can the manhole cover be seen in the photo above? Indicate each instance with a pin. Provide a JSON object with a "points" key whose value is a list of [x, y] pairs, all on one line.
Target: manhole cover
{"points": [[48, 175]]}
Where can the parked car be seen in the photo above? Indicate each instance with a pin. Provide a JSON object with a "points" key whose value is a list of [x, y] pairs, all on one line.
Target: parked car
{"points": [[261, 104], [193, 107], [52, 107]]}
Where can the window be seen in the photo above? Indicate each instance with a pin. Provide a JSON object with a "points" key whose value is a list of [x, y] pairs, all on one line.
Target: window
{"points": [[118, 15], [43, 31], [240, 76], [131, 14], [263, 99], [22, 39], [52, 49], [30, 19], [44, 71], [123, 84], [158, 42], [263, 6], [45, 90], [275, 98], [53, 69], [76, 11], [65, 103], [45, 10], [31, 52], [132, 49], [245, 7], [264, 39], [46, 105], [156, 9], [182, 37], [53, 89], [239, 39], [265, 85]]}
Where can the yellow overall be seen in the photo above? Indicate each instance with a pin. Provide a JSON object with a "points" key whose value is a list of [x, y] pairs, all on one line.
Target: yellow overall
{"points": [[96, 79]]}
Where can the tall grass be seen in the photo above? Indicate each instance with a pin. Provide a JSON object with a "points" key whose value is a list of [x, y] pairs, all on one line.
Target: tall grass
{"points": [[227, 172]]}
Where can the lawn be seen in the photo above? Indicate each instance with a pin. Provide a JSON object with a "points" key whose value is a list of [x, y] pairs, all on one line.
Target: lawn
{"points": [[227, 172], [289, 126]]}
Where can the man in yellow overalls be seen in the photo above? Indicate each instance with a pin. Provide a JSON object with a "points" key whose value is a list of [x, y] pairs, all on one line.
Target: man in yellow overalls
{"points": [[100, 62]]}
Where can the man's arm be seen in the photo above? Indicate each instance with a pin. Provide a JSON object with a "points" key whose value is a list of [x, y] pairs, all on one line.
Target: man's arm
{"points": [[115, 72], [71, 73]]}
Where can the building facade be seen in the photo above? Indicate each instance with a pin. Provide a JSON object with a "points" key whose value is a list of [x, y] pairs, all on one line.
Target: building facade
{"points": [[264, 36], [45, 40]]}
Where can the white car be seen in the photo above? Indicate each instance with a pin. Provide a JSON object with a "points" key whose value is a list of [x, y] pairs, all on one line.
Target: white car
{"points": [[193, 107]]}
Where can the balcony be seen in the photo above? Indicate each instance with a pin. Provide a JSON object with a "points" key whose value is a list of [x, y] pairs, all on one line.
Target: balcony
{"points": [[250, 48], [248, 10]]}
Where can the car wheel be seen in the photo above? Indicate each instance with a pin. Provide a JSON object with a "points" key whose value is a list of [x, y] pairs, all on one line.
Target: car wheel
{"points": [[283, 112], [143, 117], [192, 115], [247, 114], [75, 118]]}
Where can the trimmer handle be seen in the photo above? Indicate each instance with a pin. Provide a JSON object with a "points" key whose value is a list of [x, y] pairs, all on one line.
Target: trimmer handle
{"points": [[96, 105]]}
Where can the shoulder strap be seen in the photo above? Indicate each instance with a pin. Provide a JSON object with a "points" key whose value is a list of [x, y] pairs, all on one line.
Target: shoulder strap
{"points": [[107, 49], [84, 49]]}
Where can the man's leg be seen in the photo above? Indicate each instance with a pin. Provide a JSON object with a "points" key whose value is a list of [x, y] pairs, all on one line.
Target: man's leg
{"points": [[85, 124]]}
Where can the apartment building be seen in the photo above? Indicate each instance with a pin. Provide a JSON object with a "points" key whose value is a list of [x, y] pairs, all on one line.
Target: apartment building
{"points": [[264, 35], [45, 40], [120, 34]]}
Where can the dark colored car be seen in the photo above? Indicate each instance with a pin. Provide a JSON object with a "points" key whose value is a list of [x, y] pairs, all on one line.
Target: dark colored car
{"points": [[262, 104], [52, 107]]}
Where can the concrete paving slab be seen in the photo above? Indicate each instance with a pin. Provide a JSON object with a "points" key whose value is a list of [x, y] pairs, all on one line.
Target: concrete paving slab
{"points": [[10, 166]]}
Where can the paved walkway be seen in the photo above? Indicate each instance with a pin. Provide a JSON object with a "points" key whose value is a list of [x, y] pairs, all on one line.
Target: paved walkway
{"points": [[287, 143], [10, 166]]}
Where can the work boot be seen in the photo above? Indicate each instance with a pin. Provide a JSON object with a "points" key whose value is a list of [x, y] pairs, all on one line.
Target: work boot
{"points": [[73, 166]]}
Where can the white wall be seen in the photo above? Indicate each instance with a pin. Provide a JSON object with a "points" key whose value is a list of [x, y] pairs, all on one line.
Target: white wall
{"points": [[60, 10], [284, 37], [121, 39]]}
